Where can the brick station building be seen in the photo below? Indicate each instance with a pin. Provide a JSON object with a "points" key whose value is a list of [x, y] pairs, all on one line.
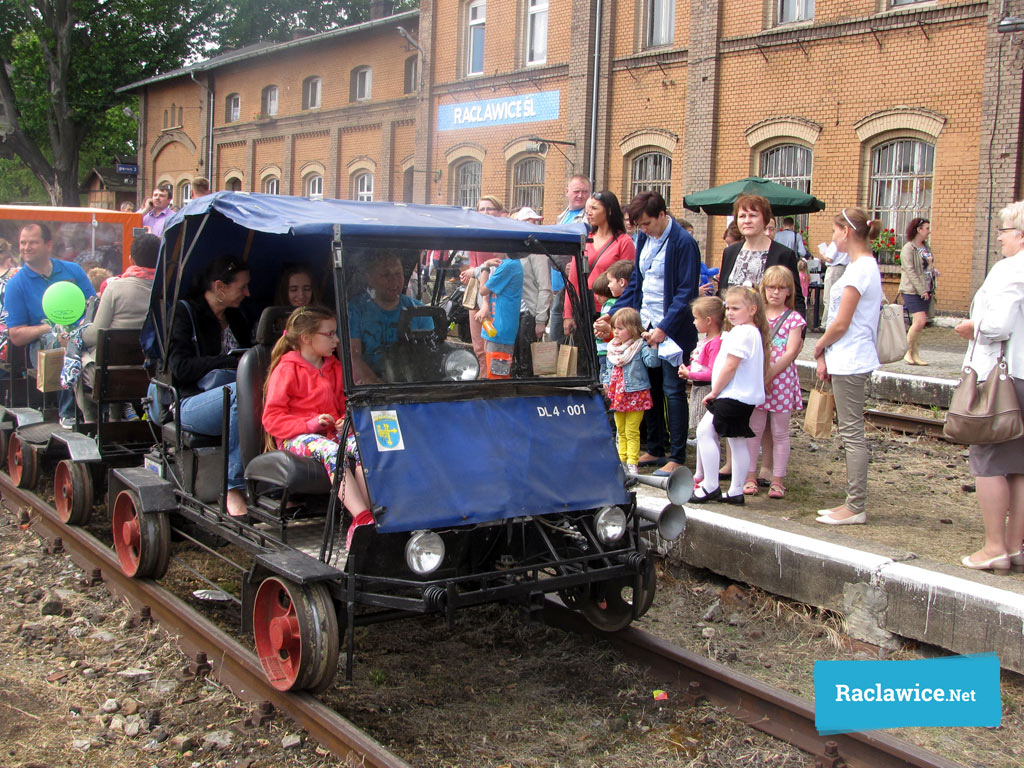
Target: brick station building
{"points": [[904, 107]]}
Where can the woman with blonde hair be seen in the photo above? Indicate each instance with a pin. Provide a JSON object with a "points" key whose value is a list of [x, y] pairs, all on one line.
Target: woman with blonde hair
{"points": [[996, 327]]}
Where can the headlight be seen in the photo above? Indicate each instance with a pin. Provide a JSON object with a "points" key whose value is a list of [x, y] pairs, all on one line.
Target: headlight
{"points": [[424, 552], [461, 365], [610, 524]]}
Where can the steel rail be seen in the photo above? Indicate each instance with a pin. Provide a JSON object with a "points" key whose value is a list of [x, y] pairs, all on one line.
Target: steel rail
{"points": [[905, 423], [232, 664], [771, 710]]}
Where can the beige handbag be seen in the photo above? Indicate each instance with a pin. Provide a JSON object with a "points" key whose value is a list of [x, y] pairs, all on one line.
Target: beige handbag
{"points": [[986, 413], [891, 343]]}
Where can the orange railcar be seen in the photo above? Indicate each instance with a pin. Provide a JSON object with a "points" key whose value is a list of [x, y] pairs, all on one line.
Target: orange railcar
{"points": [[79, 234]]}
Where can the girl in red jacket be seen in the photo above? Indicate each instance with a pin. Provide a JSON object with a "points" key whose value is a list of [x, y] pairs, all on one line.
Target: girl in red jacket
{"points": [[304, 403]]}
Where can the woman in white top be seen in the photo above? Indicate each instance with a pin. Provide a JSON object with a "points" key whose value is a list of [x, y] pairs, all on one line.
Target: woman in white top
{"points": [[997, 319], [846, 354]]}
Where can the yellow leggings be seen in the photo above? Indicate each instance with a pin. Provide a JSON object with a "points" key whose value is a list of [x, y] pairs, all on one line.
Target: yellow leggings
{"points": [[627, 424]]}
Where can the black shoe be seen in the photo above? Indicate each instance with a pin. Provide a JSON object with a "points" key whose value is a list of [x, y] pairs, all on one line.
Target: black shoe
{"points": [[736, 500], [700, 496]]}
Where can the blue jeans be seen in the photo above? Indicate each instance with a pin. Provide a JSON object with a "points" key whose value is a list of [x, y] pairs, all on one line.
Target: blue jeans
{"points": [[667, 389], [203, 414]]}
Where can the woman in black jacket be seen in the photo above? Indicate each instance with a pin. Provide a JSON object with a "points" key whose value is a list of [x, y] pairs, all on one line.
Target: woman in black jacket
{"points": [[744, 263], [206, 329]]}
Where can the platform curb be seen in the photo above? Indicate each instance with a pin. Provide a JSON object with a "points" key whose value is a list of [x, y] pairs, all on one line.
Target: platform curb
{"points": [[878, 594], [894, 387]]}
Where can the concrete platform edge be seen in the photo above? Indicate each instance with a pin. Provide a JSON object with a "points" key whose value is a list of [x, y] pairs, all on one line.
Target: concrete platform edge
{"points": [[879, 596], [895, 387]]}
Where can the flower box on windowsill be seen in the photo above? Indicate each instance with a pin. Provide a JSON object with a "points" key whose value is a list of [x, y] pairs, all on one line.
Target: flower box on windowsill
{"points": [[889, 269]]}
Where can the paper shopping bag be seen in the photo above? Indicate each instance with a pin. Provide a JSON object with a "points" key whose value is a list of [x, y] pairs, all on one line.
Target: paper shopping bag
{"points": [[568, 356], [469, 298], [545, 357], [49, 364], [821, 409]]}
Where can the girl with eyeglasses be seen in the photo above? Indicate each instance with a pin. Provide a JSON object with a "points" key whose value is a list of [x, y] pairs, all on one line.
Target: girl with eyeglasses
{"points": [[304, 403]]}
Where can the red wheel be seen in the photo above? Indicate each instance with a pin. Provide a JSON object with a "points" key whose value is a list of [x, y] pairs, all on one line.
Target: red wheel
{"points": [[73, 492], [22, 463], [609, 605], [142, 541], [296, 633]]}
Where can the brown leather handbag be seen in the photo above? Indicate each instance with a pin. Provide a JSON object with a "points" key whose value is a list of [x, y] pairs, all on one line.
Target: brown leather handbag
{"points": [[986, 413]]}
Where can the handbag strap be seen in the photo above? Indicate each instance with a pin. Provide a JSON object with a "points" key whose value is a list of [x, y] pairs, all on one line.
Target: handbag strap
{"points": [[192, 320], [779, 322]]}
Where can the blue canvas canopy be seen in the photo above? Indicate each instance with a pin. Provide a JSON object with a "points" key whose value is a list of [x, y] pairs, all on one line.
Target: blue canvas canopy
{"points": [[268, 231]]}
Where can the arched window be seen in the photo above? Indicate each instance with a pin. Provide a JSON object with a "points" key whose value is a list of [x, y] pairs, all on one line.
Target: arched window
{"points": [[166, 124], [232, 108], [653, 171], [528, 183], [901, 182], [268, 101], [467, 183], [790, 165], [272, 185], [408, 180], [311, 93], [181, 115], [412, 74], [314, 185], [360, 84], [234, 184], [184, 192], [362, 187]]}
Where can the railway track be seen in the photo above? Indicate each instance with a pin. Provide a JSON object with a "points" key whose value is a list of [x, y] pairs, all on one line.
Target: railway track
{"points": [[905, 423], [232, 664], [767, 709], [771, 710]]}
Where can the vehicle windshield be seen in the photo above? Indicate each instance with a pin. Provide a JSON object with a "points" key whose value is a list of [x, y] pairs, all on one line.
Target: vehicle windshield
{"points": [[455, 316]]}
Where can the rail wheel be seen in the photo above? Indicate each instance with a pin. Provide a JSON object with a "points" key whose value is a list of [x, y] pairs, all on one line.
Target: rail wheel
{"points": [[142, 542], [73, 492], [22, 463], [296, 632], [609, 605]]}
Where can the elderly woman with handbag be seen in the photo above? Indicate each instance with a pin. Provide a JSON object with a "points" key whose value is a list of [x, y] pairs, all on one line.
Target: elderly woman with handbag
{"points": [[996, 332]]}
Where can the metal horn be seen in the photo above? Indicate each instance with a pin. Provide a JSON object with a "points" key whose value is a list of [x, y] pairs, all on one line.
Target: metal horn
{"points": [[678, 486], [671, 520]]}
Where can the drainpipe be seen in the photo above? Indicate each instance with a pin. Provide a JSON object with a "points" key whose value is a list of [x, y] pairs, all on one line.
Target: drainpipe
{"points": [[593, 94]]}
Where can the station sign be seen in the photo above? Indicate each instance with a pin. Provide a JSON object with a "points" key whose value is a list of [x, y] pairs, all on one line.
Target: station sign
{"points": [[125, 169], [532, 108]]}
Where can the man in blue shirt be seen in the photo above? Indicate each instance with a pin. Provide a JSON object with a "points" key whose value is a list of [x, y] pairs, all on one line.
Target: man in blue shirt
{"points": [[661, 288], [23, 299]]}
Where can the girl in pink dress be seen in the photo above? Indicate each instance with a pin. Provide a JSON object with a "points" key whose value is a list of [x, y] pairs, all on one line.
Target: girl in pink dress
{"points": [[628, 386], [782, 391]]}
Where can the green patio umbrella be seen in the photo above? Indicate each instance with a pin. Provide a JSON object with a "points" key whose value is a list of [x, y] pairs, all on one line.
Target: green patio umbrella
{"points": [[718, 201]]}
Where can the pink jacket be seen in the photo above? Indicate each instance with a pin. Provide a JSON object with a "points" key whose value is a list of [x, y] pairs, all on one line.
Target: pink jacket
{"points": [[700, 367], [298, 392]]}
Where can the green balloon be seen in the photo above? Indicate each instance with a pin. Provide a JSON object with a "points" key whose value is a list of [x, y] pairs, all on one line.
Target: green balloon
{"points": [[63, 303]]}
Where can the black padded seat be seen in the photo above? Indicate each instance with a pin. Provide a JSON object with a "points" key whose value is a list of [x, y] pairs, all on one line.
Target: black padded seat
{"points": [[283, 469], [188, 439]]}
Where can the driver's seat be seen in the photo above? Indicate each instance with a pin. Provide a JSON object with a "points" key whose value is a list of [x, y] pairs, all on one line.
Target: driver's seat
{"points": [[274, 472]]}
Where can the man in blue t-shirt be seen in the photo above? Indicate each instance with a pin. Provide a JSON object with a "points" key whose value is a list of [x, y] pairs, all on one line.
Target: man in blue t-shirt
{"points": [[501, 295], [373, 319], [23, 298]]}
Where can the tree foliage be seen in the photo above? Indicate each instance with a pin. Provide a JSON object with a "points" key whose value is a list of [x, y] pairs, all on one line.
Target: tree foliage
{"points": [[61, 62]]}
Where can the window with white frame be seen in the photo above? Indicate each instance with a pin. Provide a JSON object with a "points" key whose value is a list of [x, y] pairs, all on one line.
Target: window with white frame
{"points": [[311, 93], [360, 84], [467, 184], [537, 32], [362, 187], [314, 185], [232, 108], [185, 192], [900, 187], [268, 100], [795, 10], [272, 185], [789, 165], [661, 19], [528, 183], [653, 171], [476, 21]]}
